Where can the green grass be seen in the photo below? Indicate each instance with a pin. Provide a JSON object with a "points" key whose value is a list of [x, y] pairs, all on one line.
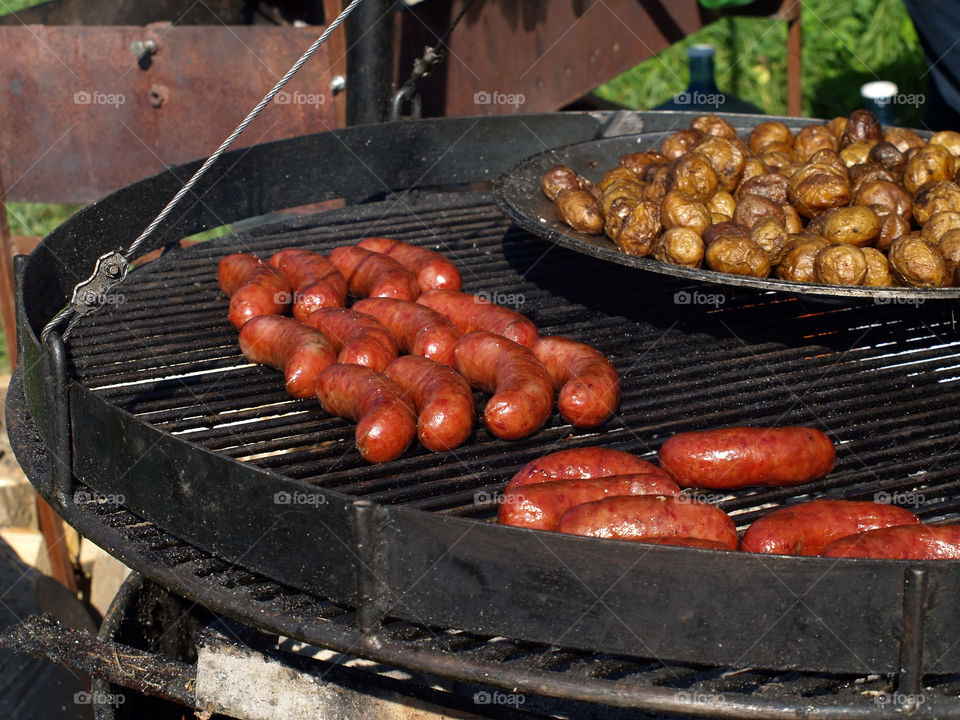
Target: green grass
{"points": [[845, 44]]}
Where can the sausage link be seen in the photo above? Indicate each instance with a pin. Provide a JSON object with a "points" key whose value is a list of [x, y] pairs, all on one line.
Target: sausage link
{"points": [[649, 516], [588, 462], [254, 288], [300, 352], [588, 382], [359, 339], [521, 387], [539, 506], [315, 281], [433, 270], [904, 542], [386, 423], [371, 274], [417, 329], [442, 398], [807, 528], [470, 313], [743, 456]]}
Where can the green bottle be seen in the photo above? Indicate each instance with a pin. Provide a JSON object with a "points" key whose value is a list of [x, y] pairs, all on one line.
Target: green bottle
{"points": [[702, 94]]}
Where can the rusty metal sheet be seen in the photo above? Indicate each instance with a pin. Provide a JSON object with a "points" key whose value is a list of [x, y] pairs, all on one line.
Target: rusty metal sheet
{"points": [[537, 55], [81, 116]]}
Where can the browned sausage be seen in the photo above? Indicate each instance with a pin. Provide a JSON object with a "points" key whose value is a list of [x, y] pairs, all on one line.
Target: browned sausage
{"points": [[807, 528], [442, 398], [300, 352], [742, 456], [359, 339], [588, 462], [540, 505], [386, 422], [588, 382], [433, 270], [905, 542], [521, 387], [649, 516], [371, 274], [471, 312], [417, 329], [315, 281], [254, 288]]}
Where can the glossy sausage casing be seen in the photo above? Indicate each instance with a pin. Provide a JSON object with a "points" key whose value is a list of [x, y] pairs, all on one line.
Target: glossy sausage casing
{"points": [[906, 542], [254, 288], [359, 339], [442, 398], [433, 270], [522, 389], [744, 456], [315, 281], [371, 274], [300, 352], [470, 313], [386, 422], [540, 505], [808, 528], [587, 462], [588, 382], [649, 516], [417, 329]]}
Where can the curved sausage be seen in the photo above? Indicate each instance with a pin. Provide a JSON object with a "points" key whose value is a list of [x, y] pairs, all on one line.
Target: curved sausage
{"points": [[386, 423], [315, 281], [359, 339], [588, 462], [807, 528], [371, 274], [743, 456], [521, 387], [540, 505], [904, 542], [649, 516], [588, 382], [442, 398], [417, 329], [254, 288], [433, 270], [470, 313], [300, 352]]}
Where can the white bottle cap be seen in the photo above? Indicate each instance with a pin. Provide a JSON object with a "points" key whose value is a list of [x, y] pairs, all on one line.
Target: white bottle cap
{"points": [[878, 90]]}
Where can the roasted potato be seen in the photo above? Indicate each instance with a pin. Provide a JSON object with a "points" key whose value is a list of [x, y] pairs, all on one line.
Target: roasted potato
{"points": [[887, 156], [949, 245], [887, 194], [616, 175], [798, 260], [861, 125], [837, 126], [771, 131], [878, 268], [938, 224], [676, 144], [854, 225], [857, 153], [616, 213], [693, 174], [580, 210], [723, 229], [640, 229], [903, 138], [935, 197], [738, 256], [713, 125], [639, 161], [770, 236], [727, 159], [929, 163], [722, 202], [840, 264], [557, 179], [948, 139], [916, 262], [811, 139], [818, 192], [769, 185], [894, 226], [752, 166], [657, 187], [681, 210], [680, 246], [752, 208]]}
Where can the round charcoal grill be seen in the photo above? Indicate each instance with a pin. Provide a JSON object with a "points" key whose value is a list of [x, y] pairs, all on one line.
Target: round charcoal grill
{"points": [[152, 435]]}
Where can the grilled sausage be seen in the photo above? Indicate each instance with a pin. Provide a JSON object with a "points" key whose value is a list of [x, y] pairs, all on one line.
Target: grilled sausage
{"points": [[588, 462], [359, 339], [470, 312], [442, 398], [433, 270], [417, 329], [649, 516], [315, 281], [588, 383], [807, 528], [521, 387], [300, 352], [540, 505], [742, 456], [254, 288], [905, 542], [371, 274], [386, 422]]}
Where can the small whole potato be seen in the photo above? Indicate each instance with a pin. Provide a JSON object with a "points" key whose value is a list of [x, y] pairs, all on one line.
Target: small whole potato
{"points": [[771, 131], [828, 157], [616, 175], [693, 174], [902, 138], [770, 236], [840, 264], [857, 153], [791, 219], [723, 229], [681, 210], [640, 229], [681, 246], [798, 260], [861, 125], [657, 187], [639, 161], [949, 139], [894, 226], [949, 245], [580, 210], [868, 172], [916, 262], [878, 268], [811, 139], [722, 202], [676, 144], [837, 127], [752, 208], [557, 179], [855, 225], [738, 256], [927, 164], [819, 192], [886, 193], [616, 213], [713, 125], [624, 189], [938, 224], [752, 167], [727, 160], [887, 156], [935, 197], [769, 185], [778, 160]]}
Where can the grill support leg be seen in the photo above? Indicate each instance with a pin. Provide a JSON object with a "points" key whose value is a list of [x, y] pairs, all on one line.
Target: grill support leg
{"points": [[370, 613], [910, 680]]}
